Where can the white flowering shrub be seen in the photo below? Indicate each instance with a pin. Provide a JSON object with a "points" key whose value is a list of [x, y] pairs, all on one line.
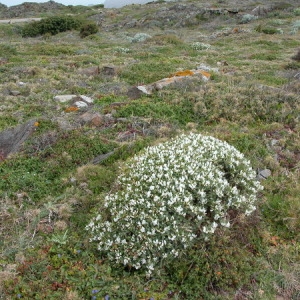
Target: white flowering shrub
{"points": [[200, 46], [170, 196], [122, 50], [248, 18], [139, 37], [295, 27]]}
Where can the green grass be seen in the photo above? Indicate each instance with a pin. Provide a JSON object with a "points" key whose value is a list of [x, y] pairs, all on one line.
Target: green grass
{"points": [[50, 189]]}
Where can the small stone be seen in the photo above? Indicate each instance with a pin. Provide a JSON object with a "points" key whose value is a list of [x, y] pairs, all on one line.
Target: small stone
{"points": [[86, 99], [94, 119], [263, 174], [15, 93], [64, 98], [81, 104], [98, 159], [145, 89]]}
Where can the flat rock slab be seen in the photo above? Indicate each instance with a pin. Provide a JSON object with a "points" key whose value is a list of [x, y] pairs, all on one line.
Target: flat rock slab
{"points": [[202, 72], [12, 139]]}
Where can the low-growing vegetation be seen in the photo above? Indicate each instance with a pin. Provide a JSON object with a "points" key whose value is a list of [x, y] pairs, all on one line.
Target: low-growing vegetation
{"points": [[51, 25], [110, 189]]}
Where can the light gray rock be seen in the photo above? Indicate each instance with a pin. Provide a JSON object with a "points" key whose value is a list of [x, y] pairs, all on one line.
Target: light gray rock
{"points": [[263, 174], [98, 159], [81, 104], [64, 98], [15, 93], [86, 99]]}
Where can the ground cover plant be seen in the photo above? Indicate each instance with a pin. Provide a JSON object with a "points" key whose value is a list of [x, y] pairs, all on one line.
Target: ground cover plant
{"points": [[174, 192], [72, 166]]}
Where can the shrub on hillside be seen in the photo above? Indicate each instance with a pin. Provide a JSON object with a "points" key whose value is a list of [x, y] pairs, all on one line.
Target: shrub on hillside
{"points": [[267, 30], [51, 25], [139, 37], [88, 29], [247, 18], [200, 46], [171, 196], [295, 27]]}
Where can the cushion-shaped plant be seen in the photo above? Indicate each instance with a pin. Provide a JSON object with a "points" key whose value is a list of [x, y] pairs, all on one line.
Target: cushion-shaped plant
{"points": [[171, 196]]}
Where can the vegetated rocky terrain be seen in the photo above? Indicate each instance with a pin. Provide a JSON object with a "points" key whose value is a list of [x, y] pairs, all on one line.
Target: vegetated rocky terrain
{"points": [[73, 110]]}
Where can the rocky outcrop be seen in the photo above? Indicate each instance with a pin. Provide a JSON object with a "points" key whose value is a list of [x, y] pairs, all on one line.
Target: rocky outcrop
{"points": [[29, 9]]}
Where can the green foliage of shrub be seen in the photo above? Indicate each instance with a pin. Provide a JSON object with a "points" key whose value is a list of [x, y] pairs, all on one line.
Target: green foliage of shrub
{"points": [[264, 56], [219, 264], [52, 25], [171, 196], [88, 29], [267, 29]]}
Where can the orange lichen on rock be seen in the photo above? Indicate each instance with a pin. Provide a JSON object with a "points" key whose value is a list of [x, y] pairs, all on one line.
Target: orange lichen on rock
{"points": [[184, 73], [205, 74], [71, 109]]}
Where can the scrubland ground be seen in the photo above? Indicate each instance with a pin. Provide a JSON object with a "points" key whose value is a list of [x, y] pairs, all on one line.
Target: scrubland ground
{"points": [[54, 184]]}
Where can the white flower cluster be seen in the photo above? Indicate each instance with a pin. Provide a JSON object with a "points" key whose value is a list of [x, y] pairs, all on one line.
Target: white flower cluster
{"points": [[169, 196], [200, 46], [122, 50]]}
